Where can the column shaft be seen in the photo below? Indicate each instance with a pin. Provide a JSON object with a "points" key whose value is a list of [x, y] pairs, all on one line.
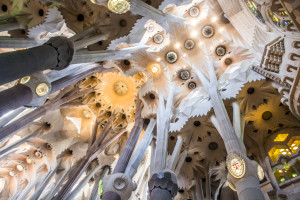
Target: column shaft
{"points": [[13, 127], [160, 194], [14, 97], [227, 132], [8, 118], [248, 189], [125, 155], [82, 183], [75, 175], [58, 184], [129, 147], [18, 64]]}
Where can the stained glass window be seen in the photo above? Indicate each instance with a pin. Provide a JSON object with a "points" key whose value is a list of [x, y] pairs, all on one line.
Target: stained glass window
{"points": [[253, 7], [278, 150], [278, 18], [100, 188]]}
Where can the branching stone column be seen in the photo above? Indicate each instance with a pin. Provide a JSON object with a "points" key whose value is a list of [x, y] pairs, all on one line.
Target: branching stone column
{"points": [[132, 165], [163, 186], [85, 56], [83, 182], [242, 171], [198, 187], [146, 10], [131, 142], [141, 8], [119, 186], [5, 120], [52, 104], [39, 190], [15, 43], [163, 182], [59, 183], [96, 146], [140, 150], [57, 53]]}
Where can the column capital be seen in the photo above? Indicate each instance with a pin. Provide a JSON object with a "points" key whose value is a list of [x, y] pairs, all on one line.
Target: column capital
{"points": [[40, 87], [118, 184], [165, 180], [65, 51]]}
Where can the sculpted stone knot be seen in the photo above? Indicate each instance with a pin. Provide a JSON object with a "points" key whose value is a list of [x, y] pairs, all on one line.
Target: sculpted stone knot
{"points": [[120, 184], [164, 180], [65, 50]]}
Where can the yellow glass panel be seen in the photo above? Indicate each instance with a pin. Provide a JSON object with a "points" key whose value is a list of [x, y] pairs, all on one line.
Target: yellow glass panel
{"points": [[294, 144], [281, 137], [278, 150], [279, 175]]}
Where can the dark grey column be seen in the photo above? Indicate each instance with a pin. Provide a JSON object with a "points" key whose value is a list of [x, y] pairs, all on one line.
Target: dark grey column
{"points": [[248, 189], [20, 63], [14, 97], [160, 194], [57, 53], [163, 186], [21, 95]]}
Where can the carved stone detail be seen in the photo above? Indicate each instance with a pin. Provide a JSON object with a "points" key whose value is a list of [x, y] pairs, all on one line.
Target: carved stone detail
{"points": [[165, 180], [272, 57], [120, 184], [35, 82], [65, 51], [271, 76]]}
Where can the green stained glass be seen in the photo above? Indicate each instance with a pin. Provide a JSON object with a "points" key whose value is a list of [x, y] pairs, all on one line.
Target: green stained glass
{"points": [[276, 19], [100, 188], [253, 7]]}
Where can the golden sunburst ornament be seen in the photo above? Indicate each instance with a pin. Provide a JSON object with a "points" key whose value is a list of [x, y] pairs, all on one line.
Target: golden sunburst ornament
{"points": [[118, 91], [270, 115], [254, 94], [120, 88]]}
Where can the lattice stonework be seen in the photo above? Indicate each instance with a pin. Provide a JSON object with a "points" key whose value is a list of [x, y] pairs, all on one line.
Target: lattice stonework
{"points": [[272, 57], [278, 150]]}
